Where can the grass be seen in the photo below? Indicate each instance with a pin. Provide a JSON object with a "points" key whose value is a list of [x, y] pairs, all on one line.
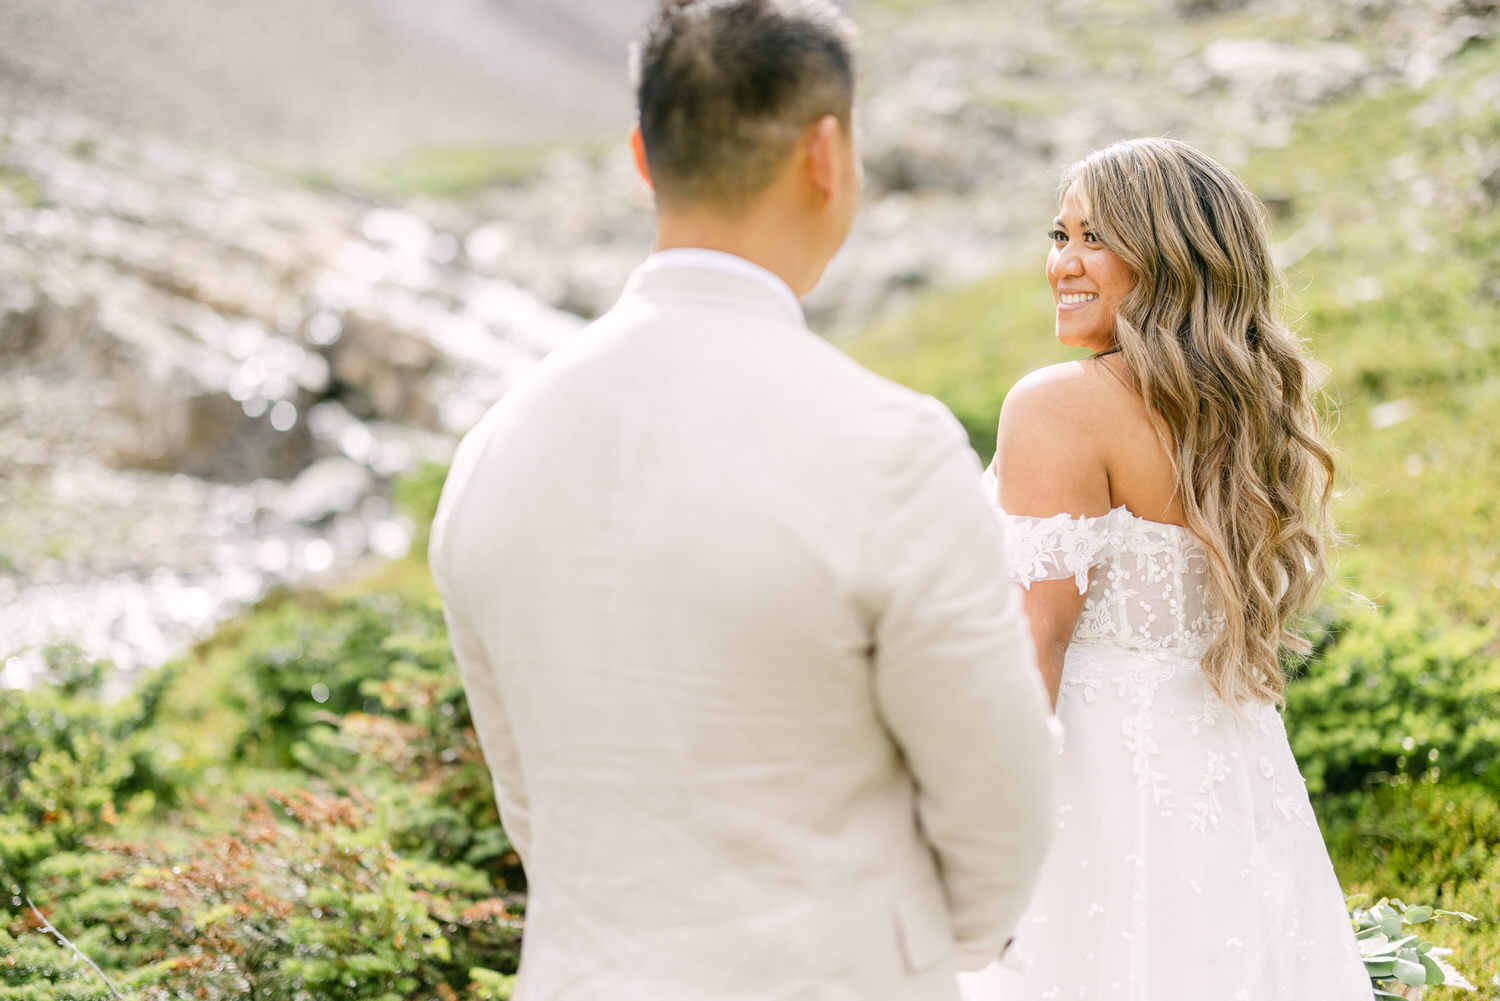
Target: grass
{"points": [[966, 347], [1439, 844], [457, 172], [22, 185]]}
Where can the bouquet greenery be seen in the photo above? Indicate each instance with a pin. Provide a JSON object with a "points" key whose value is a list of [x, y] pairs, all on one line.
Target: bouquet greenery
{"points": [[1401, 964]]}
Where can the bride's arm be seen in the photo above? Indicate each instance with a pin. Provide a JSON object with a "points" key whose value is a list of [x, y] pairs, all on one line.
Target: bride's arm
{"points": [[1052, 608], [1049, 460]]}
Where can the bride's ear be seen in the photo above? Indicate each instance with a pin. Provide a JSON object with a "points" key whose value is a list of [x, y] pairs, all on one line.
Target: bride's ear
{"points": [[638, 148]]}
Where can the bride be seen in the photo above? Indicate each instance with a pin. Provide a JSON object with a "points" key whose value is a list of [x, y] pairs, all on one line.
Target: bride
{"points": [[1166, 501]]}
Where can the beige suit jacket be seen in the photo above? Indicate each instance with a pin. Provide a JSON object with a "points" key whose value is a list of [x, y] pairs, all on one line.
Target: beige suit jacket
{"points": [[735, 624]]}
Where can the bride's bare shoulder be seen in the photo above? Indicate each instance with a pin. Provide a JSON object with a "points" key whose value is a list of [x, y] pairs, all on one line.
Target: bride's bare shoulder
{"points": [[1072, 390]]}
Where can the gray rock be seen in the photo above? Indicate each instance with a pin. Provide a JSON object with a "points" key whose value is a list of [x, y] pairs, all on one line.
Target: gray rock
{"points": [[331, 485]]}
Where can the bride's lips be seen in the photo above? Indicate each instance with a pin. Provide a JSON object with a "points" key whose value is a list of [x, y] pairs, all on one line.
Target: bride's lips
{"points": [[1069, 301]]}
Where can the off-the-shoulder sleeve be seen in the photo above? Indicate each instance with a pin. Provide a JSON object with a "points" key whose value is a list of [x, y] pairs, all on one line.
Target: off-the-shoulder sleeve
{"points": [[1057, 547]]}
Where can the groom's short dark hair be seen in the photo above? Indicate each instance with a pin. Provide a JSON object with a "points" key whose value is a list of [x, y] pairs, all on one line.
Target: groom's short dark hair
{"points": [[724, 89]]}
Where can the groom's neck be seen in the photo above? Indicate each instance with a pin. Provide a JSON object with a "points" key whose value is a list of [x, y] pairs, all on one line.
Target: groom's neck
{"points": [[774, 240]]}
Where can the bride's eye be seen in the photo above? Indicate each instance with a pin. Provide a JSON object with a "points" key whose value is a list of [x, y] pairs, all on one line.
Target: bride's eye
{"points": [[1057, 236], [1091, 238]]}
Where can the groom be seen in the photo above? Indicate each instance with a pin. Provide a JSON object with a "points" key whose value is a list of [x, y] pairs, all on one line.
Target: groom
{"points": [[732, 613]]}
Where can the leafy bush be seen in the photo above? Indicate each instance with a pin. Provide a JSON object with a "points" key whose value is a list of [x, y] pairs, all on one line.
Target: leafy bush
{"points": [[362, 693], [305, 657], [73, 761], [304, 901], [420, 753], [1393, 697]]}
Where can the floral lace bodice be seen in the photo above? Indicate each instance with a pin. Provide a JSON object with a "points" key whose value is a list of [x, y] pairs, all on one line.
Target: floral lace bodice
{"points": [[1148, 590]]}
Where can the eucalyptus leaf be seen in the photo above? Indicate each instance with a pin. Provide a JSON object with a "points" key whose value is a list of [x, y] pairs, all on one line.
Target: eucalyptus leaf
{"points": [[1380, 970], [1391, 925], [1417, 915], [1462, 915], [1413, 974], [1435, 973]]}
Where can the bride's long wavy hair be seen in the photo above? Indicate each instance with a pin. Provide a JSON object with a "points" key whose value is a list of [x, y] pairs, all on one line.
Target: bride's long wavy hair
{"points": [[1232, 395]]}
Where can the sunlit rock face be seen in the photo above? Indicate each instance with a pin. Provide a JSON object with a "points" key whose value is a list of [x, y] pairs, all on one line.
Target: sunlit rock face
{"points": [[209, 378]]}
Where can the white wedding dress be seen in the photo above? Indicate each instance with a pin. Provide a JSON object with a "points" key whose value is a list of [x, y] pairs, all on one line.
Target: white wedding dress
{"points": [[1186, 864]]}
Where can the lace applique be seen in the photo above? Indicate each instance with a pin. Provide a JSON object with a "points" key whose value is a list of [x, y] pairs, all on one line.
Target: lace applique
{"points": [[1061, 546], [1145, 581]]}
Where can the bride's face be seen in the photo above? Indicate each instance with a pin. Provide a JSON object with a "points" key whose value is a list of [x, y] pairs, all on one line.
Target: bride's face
{"points": [[1088, 280]]}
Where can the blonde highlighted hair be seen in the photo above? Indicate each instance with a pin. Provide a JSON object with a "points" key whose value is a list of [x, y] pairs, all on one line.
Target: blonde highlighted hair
{"points": [[1227, 384]]}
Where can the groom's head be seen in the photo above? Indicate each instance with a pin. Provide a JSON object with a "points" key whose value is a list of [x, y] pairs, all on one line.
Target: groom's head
{"points": [[735, 94]]}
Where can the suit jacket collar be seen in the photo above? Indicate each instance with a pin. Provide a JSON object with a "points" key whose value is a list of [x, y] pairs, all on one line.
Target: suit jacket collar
{"points": [[734, 290]]}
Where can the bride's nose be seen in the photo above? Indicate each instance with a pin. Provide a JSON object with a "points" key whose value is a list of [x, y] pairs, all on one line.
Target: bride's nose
{"points": [[1067, 263]]}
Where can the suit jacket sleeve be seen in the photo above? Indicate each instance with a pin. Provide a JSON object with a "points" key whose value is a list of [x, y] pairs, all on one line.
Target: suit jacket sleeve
{"points": [[486, 708], [957, 684]]}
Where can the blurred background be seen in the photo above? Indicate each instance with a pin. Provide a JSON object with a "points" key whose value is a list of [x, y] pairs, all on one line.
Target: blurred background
{"points": [[262, 263]]}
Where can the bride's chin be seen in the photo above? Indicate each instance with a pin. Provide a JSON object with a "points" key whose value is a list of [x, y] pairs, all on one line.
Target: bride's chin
{"points": [[1088, 340], [1071, 339]]}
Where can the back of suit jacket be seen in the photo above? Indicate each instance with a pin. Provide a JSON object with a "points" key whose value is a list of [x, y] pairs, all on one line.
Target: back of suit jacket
{"points": [[735, 626]]}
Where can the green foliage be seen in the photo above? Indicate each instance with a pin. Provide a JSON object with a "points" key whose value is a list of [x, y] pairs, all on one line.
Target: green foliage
{"points": [[420, 750], [362, 693], [1393, 697], [73, 761], [34, 968], [1395, 954], [305, 658], [303, 901], [379, 870], [417, 494], [1434, 842]]}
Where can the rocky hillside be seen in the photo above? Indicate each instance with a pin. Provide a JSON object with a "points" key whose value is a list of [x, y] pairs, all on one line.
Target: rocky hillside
{"points": [[210, 372], [209, 377]]}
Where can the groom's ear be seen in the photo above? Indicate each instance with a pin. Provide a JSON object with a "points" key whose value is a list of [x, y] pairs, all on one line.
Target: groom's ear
{"points": [[821, 148], [638, 147]]}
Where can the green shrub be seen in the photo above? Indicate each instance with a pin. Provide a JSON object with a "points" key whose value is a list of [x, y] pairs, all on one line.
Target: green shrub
{"points": [[74, 761], [303, 901], [362, 694], [305, 658], [418, 752], [1398, 696]]}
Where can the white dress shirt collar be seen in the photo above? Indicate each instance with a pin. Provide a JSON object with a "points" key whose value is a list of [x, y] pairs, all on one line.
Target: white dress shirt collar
{"points": [[701, 259]]}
